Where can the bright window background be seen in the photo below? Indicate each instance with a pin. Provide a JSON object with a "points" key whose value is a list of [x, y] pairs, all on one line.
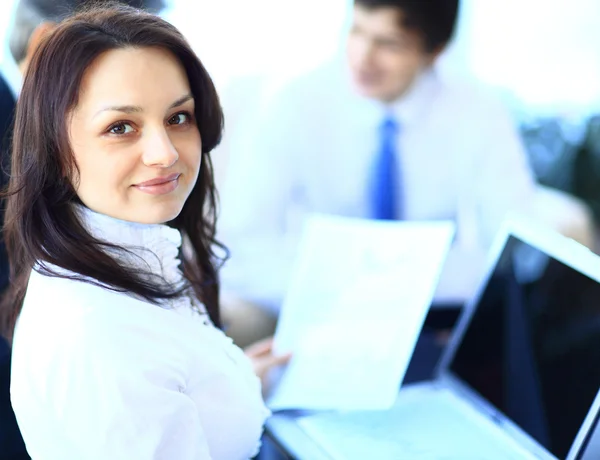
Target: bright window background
{"points": [[274, 39], [6, 11], [544, 53]]}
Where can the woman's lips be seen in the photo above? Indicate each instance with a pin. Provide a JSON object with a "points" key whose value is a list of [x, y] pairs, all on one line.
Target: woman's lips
{"points": [[159, 185]]}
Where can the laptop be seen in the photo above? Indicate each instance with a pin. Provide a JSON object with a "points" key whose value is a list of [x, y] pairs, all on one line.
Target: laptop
{"points": [[519, 378]]}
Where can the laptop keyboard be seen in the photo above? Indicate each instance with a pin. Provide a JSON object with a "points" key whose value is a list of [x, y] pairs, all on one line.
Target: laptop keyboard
{"points": [[432, 428]]}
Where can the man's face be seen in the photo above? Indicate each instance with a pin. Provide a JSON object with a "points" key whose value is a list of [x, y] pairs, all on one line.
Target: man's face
{"points": [[384, 57]]}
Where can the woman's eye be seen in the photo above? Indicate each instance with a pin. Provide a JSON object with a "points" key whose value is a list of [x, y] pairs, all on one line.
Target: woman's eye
{"points": [[179, 119], [121, 128]]}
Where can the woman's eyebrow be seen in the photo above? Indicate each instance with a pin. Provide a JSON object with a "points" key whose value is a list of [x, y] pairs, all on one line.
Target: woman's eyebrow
{"points": [[138, 109], [182, 100]]}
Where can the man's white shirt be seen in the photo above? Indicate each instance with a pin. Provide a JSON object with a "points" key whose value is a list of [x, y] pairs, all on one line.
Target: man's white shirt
{"points": [[310, 149]]}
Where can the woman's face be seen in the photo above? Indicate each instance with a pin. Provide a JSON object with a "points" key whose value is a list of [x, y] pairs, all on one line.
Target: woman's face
{"points": [[134, 136]]}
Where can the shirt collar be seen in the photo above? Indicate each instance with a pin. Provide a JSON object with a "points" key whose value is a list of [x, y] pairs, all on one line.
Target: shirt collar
{"points": [[150, 247], [407, 108], [419, 95]]}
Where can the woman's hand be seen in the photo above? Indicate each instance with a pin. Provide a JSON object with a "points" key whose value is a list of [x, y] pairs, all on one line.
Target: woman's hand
{"points": [[262, 357]]}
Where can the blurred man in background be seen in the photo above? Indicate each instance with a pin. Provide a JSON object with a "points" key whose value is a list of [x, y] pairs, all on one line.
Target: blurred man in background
{"points": [[379, 134]]}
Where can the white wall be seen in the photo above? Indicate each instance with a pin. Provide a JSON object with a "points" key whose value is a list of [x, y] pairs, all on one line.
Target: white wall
{"points": [[237, 38], [547, 52]]}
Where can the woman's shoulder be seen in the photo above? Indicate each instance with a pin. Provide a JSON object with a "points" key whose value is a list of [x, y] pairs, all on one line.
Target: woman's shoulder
{"points": [[79, 318], [73, 302], [69, 304], [66, 289]]}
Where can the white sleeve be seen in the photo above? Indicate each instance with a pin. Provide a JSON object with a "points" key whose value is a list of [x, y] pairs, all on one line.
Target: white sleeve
{"points": [[504, 179], [119, 394], [497, 181]]}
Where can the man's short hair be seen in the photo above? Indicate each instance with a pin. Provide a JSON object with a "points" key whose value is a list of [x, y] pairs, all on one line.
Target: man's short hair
{"points": [[435, 20], [31, 13]]}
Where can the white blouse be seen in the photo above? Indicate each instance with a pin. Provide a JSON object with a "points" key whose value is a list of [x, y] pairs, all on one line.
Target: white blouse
{"points": [[99, 374]]}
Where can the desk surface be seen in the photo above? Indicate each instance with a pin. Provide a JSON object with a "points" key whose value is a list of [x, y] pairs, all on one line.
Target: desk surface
{"points": [[284, 430]]}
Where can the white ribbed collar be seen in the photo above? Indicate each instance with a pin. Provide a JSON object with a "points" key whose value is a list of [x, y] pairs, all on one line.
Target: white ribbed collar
{"points": [[153, 247]]}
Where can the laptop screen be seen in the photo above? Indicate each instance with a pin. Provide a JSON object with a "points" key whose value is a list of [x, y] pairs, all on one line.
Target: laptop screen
{"points": [[532, 347]]}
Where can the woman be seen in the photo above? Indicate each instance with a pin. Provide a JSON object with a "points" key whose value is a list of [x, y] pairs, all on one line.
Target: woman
{"points": [[115, 350]]}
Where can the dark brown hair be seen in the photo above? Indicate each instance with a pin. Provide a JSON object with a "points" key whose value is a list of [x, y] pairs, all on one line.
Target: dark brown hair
{"points": [[42, 225], [435, 20]]}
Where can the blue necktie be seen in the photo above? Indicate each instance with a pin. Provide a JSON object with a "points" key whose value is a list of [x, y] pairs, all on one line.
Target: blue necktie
{"points": [[385, 183]]}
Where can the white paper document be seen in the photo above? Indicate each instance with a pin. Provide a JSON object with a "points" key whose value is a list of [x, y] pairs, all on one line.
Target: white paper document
{"points": [[354, 310]]}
